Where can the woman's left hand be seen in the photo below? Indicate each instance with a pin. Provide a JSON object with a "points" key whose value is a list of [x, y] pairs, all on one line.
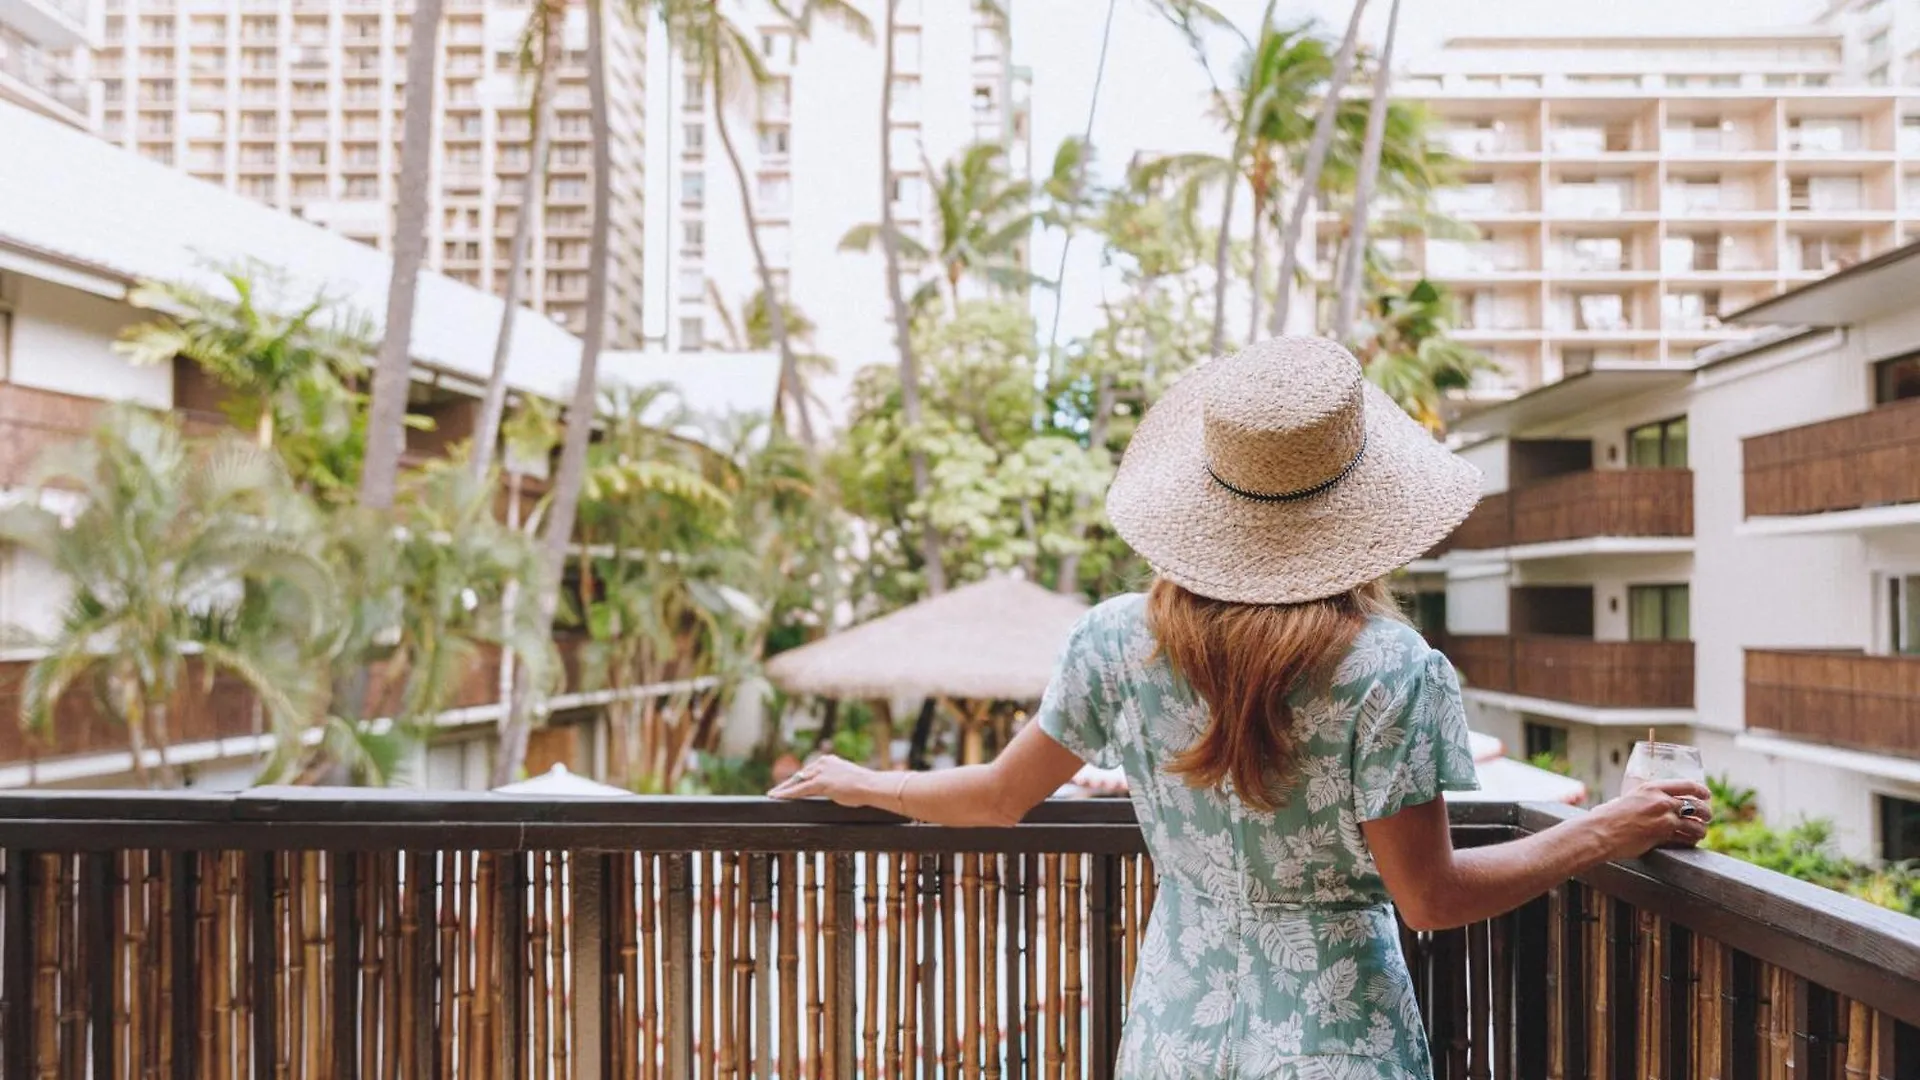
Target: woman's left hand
{"points": [[831, 777]]}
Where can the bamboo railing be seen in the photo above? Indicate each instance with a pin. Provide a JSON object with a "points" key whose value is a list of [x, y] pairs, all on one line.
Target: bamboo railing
{"points": [[305, 934]]}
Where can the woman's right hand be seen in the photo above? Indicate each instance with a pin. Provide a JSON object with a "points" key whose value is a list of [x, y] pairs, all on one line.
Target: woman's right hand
{"points": [[1655, 814]]}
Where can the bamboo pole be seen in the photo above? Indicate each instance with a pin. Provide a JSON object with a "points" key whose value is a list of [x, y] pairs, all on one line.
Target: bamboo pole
{"points": [[1053, 1059], [990, 967], [970, 922], [789, 967], [1070, 912], [949, 966], [650, 1011], [870, 899], [896, 968]]}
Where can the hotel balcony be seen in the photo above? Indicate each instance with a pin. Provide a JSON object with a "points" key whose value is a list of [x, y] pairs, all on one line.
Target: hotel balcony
{"points": [[33, 420], [1632, 505], [1578, 671], [1844, 699], [1859, 468], [485, 937]]}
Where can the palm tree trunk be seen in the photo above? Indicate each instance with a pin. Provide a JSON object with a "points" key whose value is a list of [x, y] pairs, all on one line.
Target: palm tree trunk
{"points": [[790, 393], [1323, 126], [387, 412], [903, 319], [1243, 131], [573, 447], [156, 711], [493, 405], [1347, 300], [1257, 279]]}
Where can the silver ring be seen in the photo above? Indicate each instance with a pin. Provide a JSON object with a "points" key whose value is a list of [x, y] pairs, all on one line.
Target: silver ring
{"points": [[1689, 808]]}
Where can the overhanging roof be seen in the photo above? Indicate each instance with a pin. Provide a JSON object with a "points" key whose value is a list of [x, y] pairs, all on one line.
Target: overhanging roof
{"points": [[87, 214], [1886, 282], [1605, 383]]}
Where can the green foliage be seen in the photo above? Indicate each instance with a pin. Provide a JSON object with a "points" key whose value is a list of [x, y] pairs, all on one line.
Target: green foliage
{"points": [[276, 355], [177, 551], [1551, 762], [1804, 850], [1405, 344]]}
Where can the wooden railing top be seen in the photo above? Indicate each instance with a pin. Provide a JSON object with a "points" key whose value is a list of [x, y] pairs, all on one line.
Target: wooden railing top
{"points": [[1866, 952]]}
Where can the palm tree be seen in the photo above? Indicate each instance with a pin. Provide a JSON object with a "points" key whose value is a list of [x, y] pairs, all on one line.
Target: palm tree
{"points": [[540, 51], [247, 343], [1279, 79], [181, 557], [1316, 158], [564, 501], [724, 55], [1347, 300], [432, 582], [657, 546], [902, 315], [386, 420], [983, 219], [1406, 348]]}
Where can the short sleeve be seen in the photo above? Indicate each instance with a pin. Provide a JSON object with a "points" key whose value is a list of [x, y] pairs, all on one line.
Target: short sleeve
{"points": [[1410, 739], [1076, 711]]}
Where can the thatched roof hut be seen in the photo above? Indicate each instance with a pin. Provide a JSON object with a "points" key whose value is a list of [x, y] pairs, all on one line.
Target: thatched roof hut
{"points": [[993, 640]]}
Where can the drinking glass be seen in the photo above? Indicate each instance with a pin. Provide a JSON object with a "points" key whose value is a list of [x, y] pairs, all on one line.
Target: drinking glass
{"points": [[1662, 761]]}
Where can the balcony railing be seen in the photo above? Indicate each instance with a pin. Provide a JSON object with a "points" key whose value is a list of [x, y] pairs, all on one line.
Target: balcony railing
{"points": [[1840, 698], [32, 420], [1604, 502], [1579, 506], [1865, 459], [325, 933], [1579, 671]]}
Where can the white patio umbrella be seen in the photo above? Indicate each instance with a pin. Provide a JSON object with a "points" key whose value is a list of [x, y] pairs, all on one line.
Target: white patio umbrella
{"points": [[559, 783]]}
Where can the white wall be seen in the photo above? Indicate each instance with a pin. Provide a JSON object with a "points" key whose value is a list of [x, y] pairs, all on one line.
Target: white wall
{"points": [[62, 341], [1477, 605], [32, 596], [1490, 457], [1757, 591]]}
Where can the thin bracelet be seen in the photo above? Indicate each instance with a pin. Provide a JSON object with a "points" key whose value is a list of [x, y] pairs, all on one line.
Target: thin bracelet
{"points": [[900, 794]]}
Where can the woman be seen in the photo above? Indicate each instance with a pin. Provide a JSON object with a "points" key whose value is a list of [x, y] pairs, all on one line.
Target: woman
{"points": [[1286, 737]]}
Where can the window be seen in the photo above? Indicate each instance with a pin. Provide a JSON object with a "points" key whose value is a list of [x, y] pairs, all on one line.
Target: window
{"points": [[1899, 829], [695, 139], [1659, 445], [773, 139], [774, 194], [696, 95], [1897, 379], [1544, 739], [693, 188], [1903, 611], [1657, 613], [692, 334], [693, 237], [691, 284], [983, 99]]}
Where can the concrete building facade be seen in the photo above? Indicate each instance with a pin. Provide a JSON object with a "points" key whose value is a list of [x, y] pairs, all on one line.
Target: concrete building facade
{"points": [[44, 56], [1727, 553], [810, 137], [298, 104], [1629, 192]]}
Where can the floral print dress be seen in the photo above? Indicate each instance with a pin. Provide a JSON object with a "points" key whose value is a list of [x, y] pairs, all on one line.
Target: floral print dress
{"points": [[1272, 951]]}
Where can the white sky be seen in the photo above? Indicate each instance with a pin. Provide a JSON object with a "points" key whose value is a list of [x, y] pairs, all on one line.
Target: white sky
{"points": [[1153, 96]]}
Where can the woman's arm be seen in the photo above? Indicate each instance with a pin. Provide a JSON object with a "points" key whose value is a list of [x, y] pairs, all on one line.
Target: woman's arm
{"points": [[1031, 768], [1438, 888]]}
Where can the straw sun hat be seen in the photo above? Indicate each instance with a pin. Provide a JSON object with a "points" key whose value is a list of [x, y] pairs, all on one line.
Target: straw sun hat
{"points": [[1279, 475]]}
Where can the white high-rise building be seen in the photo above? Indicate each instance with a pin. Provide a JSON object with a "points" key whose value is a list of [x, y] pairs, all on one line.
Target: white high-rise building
{"points": [[297, 103], [43, 56], [810, 138], [1630, 190]]}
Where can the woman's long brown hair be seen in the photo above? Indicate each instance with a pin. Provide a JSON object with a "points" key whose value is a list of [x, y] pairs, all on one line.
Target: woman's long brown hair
{"points": [[1243, 660]]}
